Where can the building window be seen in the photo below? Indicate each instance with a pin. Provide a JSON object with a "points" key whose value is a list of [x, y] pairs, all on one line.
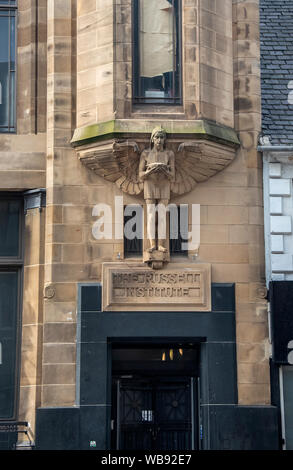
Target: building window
{"points": [[133, 231], [178, 230], [157, 51], [7, 64], [11, 262]]}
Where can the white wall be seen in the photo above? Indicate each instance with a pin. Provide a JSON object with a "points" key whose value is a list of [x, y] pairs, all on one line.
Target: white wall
{"points": [[278, 214]]}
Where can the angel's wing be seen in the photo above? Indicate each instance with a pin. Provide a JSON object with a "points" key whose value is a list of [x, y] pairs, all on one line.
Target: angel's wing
{"points": [[117, 162], [127, 157], [194, 163]]}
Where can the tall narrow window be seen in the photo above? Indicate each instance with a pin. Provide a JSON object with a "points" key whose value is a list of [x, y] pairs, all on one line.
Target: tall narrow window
{"points": [[157, 51], [179, 230], [7, 64], [133, 231], [11, 261]]}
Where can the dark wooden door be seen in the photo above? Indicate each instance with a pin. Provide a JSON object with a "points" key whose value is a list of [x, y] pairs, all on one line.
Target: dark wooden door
{"points": [[155, 414]]}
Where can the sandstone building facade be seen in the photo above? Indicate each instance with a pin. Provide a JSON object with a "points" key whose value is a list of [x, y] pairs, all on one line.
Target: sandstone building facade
{"points": [[72, 347]]}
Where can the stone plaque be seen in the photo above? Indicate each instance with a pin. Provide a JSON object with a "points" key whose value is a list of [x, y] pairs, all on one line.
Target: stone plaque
{"points": [[132, 286]]}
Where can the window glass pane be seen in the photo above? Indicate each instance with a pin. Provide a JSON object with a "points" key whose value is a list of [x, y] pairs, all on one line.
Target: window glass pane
{"points": [[152, 358], [133, 231], [12, 100], [156, 38], [288, 405], [12, 43], [9, 228], [7, 69], [8, 330], [178, 229], [4, 70], [157, 51]]}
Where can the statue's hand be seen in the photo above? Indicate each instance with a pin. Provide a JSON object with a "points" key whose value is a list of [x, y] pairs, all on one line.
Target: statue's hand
{"points": [[149, 171], [181, 147], [143, 175]]}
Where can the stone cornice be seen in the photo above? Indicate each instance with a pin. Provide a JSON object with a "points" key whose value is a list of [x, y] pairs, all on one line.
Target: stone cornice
{"points": [[120, 128]]}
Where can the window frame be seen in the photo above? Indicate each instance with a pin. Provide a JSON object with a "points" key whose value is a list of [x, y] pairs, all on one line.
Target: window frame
{"points": [[11, 127], [139, 100], [16, 264]]}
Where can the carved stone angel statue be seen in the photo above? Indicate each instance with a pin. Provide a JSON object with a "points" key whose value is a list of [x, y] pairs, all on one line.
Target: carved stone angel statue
{"points": [[157, 173]]}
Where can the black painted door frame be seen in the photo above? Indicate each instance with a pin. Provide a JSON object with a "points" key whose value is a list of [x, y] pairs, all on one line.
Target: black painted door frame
{"points": [[97, 330], [225, 424]]}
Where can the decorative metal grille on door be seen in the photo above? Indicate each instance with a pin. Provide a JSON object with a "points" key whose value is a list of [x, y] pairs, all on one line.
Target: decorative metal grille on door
{"points": [[154, 414]]}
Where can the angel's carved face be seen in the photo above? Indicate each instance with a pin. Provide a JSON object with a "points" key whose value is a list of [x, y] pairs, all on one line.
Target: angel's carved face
{"points": [[159, 140]]}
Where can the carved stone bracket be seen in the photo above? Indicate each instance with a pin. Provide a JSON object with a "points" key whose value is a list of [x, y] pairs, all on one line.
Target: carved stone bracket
{"points": [[158, 169], [117, 161], [156, 259]]}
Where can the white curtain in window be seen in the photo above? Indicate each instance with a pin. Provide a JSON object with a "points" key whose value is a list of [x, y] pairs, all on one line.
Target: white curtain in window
{"points": [[156, 37]]}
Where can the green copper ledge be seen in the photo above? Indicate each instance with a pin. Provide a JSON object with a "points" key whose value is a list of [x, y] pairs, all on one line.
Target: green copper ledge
{"points": [[199, 129]]}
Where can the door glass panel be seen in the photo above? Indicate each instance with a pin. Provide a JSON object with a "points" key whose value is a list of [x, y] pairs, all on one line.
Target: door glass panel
{"points": [[8, 330], [288, 405]]}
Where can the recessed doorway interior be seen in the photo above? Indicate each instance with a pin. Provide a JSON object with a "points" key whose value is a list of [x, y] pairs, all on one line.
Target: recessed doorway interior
{"points": [[155, 396]]}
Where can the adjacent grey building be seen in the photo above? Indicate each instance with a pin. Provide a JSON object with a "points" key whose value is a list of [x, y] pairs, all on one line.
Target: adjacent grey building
{"points": [[276, 145]]}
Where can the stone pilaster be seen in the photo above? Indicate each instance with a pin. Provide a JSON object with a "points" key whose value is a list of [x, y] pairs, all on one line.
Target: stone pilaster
{"points": [[216, 61], [95, 61], [31, 66], [251, 308], [59, 314], [32, 316]]}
